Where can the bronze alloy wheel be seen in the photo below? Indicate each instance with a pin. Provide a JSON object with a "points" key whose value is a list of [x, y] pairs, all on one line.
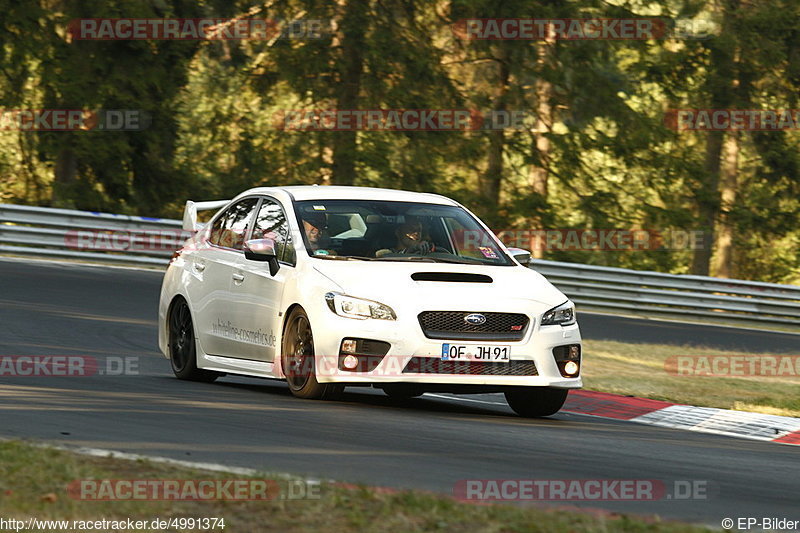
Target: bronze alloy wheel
{"points": [[297, 359]]}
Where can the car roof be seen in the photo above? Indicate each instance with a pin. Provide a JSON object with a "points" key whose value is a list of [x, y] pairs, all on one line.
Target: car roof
{"points": [[342, 192]]}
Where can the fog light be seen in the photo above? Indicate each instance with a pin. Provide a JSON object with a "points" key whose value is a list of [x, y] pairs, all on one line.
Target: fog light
{"points": [[350, 361], [574, 351], [571, 367], [349, 346]]}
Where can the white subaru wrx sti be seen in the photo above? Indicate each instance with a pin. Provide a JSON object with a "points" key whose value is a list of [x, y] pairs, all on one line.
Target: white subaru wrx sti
{"points": [[328, 287]]}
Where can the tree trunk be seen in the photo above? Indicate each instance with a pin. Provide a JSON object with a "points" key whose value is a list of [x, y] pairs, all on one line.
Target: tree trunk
{"points": [[325, 158], [541, 143], [538, 172], [492, 179], [721, 85], [345, 148], [66, 168], [707, 198], [723, 259]]}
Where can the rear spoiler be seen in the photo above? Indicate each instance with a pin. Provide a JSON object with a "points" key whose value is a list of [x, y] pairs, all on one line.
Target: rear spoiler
{"points": [[190, 212]]}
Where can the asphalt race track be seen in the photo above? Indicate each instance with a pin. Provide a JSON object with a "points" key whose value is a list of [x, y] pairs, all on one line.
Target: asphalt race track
{"points": [[428, 443]]}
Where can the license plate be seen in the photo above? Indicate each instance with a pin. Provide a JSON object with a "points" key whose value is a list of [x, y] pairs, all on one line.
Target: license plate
{"points": [[476, 352]]}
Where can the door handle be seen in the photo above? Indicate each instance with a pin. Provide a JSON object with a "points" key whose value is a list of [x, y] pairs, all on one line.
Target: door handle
{"points": [[238, 278], [199, 267]]}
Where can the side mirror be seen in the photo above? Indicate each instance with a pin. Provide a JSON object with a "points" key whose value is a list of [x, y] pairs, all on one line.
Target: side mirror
{"points": [[262, 250], [522, 256]]}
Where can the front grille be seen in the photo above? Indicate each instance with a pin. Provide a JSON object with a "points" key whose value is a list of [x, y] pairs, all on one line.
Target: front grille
{"points": [[451, 325], [433, 365]]}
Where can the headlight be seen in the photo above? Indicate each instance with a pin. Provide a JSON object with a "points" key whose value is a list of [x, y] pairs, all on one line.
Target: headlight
{"points": [[563, 315], [351, 307]]}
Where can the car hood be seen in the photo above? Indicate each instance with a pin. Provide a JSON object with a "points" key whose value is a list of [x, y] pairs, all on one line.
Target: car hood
{"points": [[388, 281]]}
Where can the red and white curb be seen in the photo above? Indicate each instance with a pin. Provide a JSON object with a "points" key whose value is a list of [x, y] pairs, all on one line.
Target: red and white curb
{"points": [[782, 429]]}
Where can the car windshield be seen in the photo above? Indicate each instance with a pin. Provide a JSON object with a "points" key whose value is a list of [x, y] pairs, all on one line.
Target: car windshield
{"points": [[378, 230]]}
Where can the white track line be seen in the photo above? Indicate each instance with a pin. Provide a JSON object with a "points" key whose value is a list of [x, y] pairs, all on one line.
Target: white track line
{"points": [[212, 467], [687, 322], [66, 262], [431, 395]]}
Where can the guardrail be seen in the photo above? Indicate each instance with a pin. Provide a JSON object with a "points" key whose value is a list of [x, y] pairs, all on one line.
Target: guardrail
{"points": [[669, 295], [89, 236], [150, 242]]}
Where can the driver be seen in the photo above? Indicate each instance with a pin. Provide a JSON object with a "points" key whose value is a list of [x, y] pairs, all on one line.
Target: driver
{"points": [[315, 226], [410, 240]]}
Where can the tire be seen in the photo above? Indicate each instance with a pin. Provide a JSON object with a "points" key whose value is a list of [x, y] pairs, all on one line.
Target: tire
{"points": [[182, 346], [297, 360], [401, 391], [534, 402]]}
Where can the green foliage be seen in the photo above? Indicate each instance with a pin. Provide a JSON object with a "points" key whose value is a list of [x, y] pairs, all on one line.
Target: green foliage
{"points": [[610, 161]]}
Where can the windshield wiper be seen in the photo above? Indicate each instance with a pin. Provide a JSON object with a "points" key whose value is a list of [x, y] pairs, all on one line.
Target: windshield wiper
{"points": [[464, 261], [407, 258], [460, 261], [429, 259], [345, 257], [415, 258]]}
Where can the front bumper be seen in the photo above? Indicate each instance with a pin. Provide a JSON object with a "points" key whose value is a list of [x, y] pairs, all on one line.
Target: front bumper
{"points": [[408, 341]]}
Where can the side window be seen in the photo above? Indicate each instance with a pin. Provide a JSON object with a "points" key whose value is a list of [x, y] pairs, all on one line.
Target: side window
{"points": [[230, 228], [271, 224], [216, 229]]}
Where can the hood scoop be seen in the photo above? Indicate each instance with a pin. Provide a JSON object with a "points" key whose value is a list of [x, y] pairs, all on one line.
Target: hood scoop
{"points": [[458, 277]]}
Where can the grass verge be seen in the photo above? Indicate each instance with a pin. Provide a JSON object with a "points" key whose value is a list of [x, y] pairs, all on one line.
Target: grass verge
{"points": [[33, 483], [639, 370]]}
